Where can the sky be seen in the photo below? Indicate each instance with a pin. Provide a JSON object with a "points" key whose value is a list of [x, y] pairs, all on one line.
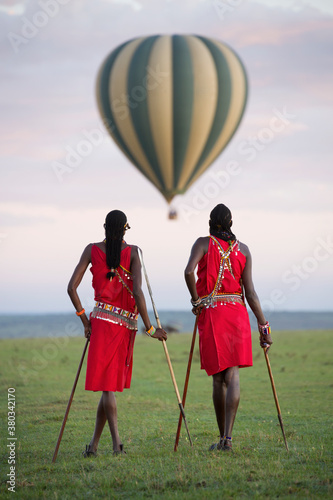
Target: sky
{"points": [[275, 175]]}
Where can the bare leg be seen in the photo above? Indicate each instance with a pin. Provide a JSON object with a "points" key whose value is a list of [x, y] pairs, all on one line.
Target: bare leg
{"points": [[226, 396], [106, 411], [219, 396], [99, 426], [232, 397], [110, 410]]}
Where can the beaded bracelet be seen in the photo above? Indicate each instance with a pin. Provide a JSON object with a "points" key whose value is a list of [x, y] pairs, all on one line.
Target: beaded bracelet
{"points": [[151, 331], [80, 313], [195, 303], [265, 329]]}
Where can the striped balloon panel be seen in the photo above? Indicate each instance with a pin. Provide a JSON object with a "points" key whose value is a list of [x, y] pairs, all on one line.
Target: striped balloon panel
{"points": [[172, 104]]}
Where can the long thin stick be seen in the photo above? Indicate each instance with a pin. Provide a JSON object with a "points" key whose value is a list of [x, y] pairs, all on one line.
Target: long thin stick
{"points": [[275, 397], [69, 403], [186, 381], [165, 348]]}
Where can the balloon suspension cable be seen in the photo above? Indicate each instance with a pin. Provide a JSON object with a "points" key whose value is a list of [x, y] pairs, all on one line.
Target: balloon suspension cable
{"points": [[165, 348]]}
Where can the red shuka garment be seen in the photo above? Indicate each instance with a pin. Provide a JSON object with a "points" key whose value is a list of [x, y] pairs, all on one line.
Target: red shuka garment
{"points": [[113, 325], [224, 326]]}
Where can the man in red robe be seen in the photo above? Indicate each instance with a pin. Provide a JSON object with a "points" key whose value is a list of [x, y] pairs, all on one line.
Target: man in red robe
{"points": [[224, 269], [112, 326]]}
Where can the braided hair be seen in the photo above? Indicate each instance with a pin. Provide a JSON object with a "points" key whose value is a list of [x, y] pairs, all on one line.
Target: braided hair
{"points": [[220, 223], [115, 224]]}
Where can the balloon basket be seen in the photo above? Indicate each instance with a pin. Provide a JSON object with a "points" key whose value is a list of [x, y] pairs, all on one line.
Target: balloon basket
{"points": [[172, 214]]}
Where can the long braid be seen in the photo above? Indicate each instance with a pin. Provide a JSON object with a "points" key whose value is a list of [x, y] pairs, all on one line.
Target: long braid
{"points": [[220, 223], [115, 223]]}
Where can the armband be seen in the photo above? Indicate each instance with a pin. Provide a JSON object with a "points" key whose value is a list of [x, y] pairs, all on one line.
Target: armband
{"points": [[151, 331], [196, 303], [264, 329]]}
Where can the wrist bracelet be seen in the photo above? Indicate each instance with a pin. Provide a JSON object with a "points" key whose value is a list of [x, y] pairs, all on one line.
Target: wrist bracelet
{"points": [[151, 331], [195, 303], [80, 313], [264, 329]]}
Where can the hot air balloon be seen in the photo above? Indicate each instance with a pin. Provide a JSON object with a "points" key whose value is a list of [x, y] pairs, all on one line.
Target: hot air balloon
{"points": [[172, 104]]}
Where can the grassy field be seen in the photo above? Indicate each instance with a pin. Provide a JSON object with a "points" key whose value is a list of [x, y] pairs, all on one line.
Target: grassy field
{"points": [[42, 371]]}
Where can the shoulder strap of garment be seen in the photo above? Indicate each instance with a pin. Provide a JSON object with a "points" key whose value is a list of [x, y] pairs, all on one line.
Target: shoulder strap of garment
{"points": [[225, 260], [125, 271]]}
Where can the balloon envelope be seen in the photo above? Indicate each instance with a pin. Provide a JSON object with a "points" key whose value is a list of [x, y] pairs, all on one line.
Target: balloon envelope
{"points": [[172, 104]]}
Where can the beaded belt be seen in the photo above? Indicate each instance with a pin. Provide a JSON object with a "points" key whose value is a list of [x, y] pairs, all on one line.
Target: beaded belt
{"points": [[114, 314], [223, 298]]}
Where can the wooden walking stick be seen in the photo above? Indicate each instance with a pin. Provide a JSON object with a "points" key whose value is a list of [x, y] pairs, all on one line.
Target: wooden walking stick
{"points": [[69, 403], [165, 348], [275, 397], [186, 382]]}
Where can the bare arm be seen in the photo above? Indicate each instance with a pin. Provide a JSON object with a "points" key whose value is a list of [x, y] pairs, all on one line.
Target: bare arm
{"points": [[74, 283], [139, 297], [250, 293], [199, 249]]}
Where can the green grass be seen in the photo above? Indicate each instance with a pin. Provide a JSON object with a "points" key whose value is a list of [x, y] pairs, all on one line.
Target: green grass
{"points": [[43, 370]]}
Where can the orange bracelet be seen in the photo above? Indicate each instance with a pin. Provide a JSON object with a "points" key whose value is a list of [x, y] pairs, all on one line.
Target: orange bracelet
{"points": [[80, 313]]}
